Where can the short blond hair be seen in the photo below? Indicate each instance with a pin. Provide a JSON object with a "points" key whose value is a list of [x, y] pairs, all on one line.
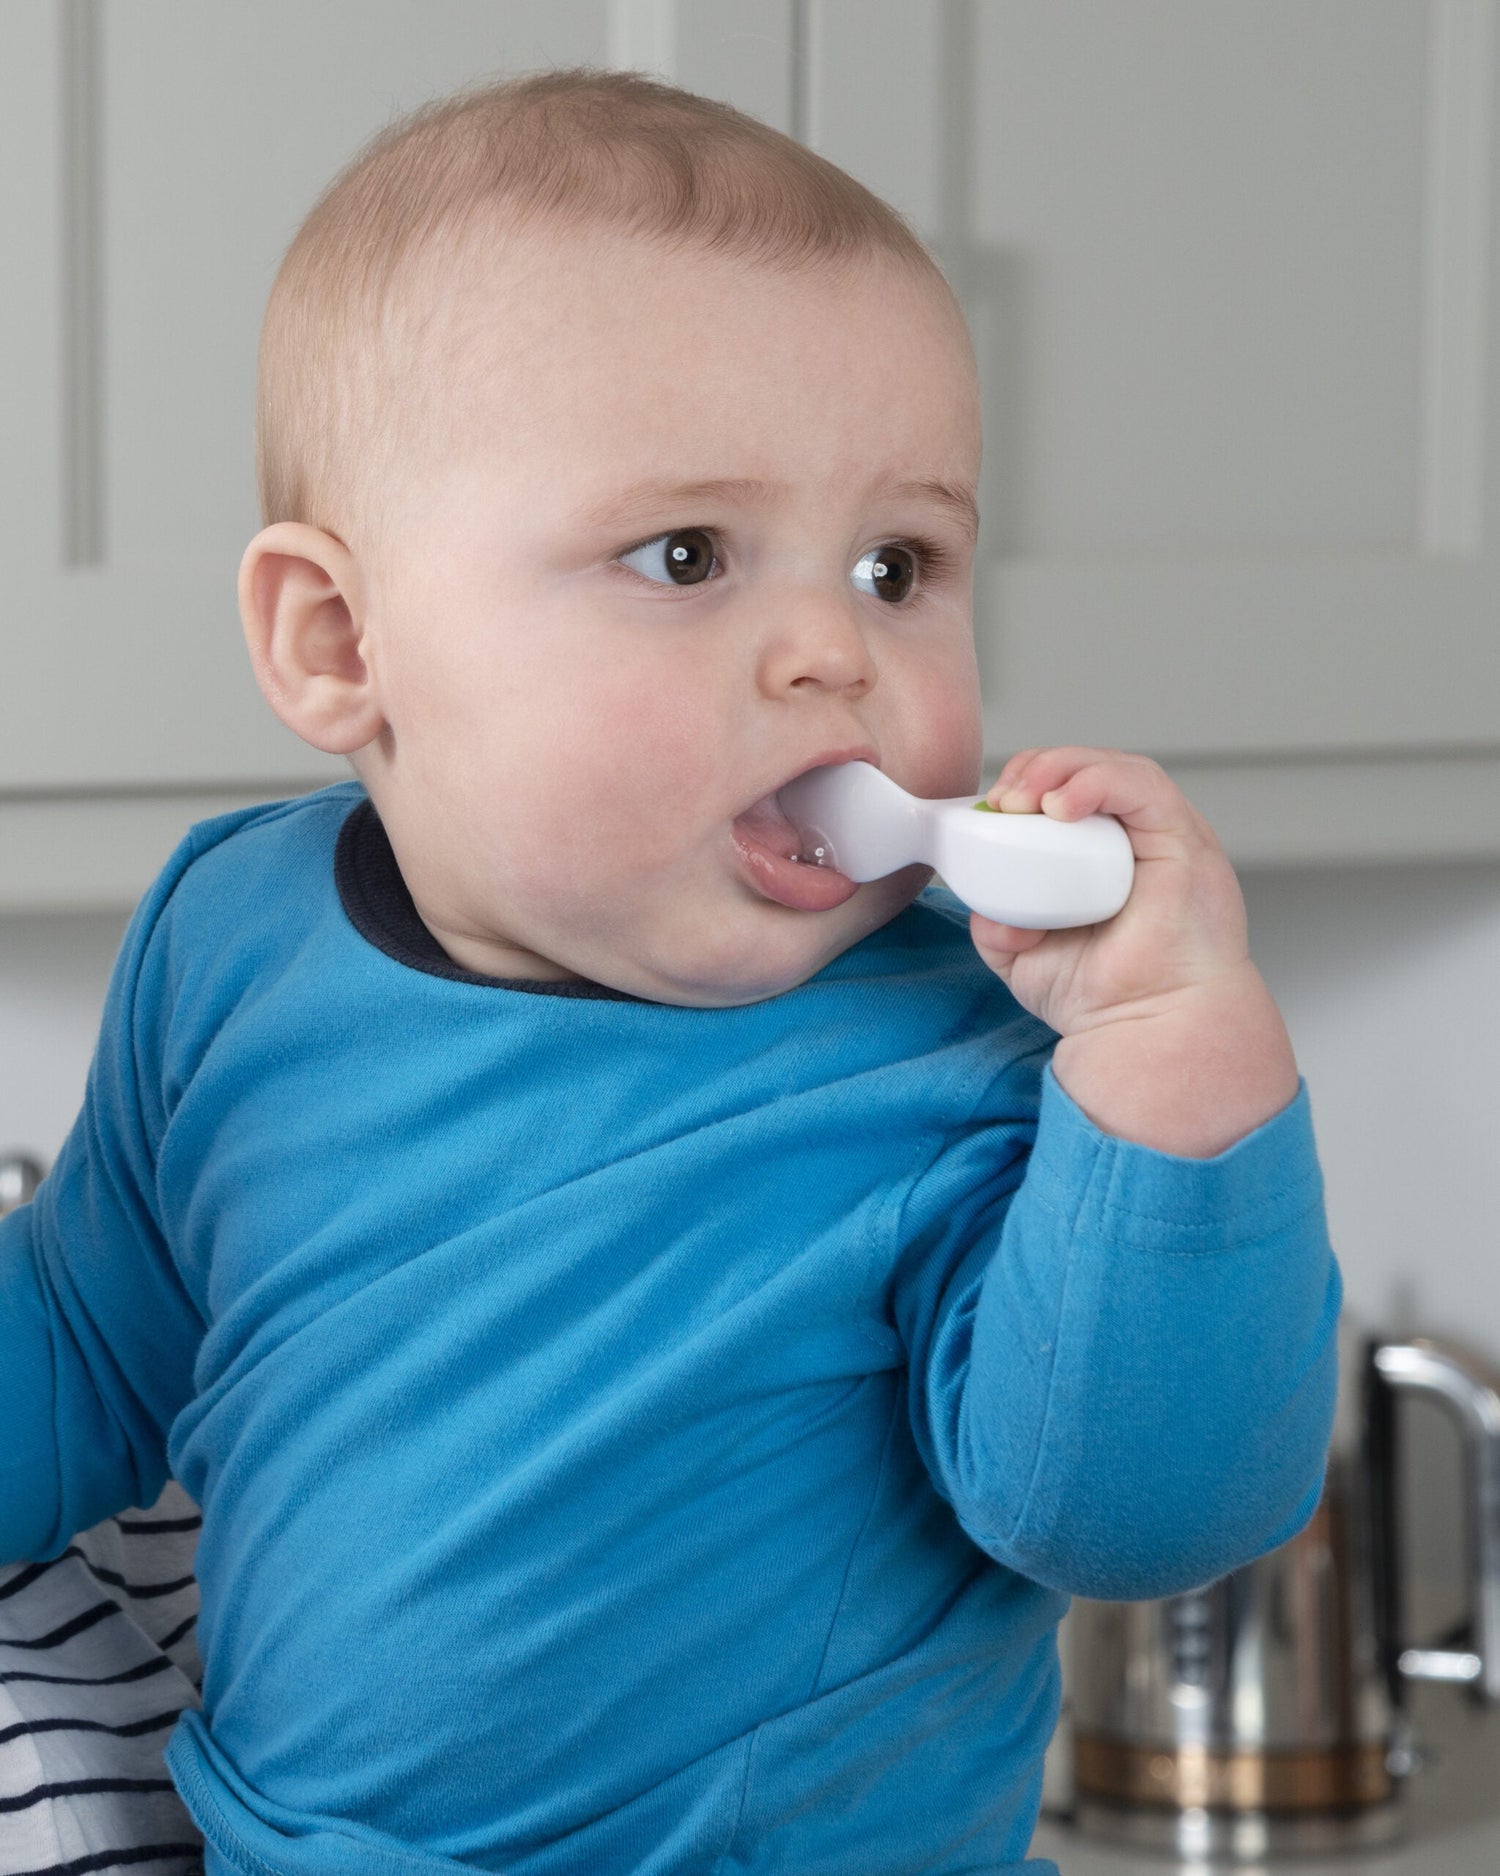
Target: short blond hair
{"points": [[564, 148]]}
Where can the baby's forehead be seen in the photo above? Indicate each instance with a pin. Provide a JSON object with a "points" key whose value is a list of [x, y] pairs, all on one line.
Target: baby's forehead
{"points": [[539, 283], [633, 347]]}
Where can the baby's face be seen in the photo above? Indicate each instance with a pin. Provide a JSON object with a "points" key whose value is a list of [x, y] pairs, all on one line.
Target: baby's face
{"points": [[594, 651]]}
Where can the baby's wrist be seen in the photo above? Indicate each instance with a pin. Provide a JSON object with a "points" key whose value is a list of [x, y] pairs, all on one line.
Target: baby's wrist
{"points": [[1190, 1075]]}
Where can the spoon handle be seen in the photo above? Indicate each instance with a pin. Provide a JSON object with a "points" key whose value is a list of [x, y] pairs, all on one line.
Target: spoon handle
{"points": [[1021, 869], [1029, 869]]}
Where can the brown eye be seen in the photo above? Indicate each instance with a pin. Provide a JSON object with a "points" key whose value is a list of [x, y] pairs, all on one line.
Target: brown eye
{"points": [[686, 556], [890, 571]]}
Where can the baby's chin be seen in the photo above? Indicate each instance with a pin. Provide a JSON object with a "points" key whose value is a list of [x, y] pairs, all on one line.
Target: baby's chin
{"points": [[718, 957]]}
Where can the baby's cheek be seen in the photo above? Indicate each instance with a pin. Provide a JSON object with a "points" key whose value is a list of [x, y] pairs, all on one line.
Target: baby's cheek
{"points": [[947, 745], [665, 765], [611, 816]]}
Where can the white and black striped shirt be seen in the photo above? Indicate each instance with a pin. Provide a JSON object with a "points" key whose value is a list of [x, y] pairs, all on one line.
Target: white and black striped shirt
{"points": [[98, 1656]]}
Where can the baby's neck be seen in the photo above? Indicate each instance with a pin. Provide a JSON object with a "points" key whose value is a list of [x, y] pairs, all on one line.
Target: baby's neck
{"points": [[493, 957]]}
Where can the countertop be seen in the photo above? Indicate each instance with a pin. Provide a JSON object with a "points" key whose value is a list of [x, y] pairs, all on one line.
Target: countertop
{"points": [[1452, 1807]]}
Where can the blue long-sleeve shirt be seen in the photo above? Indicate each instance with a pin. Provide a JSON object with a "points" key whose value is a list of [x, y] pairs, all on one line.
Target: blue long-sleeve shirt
{"points": [[633, 1438]]}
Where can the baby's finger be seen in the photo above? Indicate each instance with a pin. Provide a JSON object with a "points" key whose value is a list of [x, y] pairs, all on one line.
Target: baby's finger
{"points": [[1012, 772], [1040, 771], [1073, 782], [1135, 790], [1002, 942]]}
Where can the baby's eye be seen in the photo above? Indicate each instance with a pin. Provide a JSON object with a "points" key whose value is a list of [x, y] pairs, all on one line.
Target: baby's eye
{"points": [[687, 555], [889, 569]]}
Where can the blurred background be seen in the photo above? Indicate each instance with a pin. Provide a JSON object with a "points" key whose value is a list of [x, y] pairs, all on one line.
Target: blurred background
{"points": [[1230, 271]]}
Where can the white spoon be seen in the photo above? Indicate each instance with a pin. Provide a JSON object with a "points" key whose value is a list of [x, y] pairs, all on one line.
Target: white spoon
{"points": [[1021, 869]]}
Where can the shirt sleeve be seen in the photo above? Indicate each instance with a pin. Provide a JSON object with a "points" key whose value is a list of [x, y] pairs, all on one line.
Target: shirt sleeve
{"points": [[97, 1331], [1122, 1362]]}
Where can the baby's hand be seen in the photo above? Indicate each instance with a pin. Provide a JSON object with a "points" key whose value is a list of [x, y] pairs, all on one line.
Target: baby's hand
{"points": [[1170, 1035], [1183, 924]]}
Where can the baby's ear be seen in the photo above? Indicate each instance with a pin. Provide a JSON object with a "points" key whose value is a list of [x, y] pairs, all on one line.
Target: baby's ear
{"points": [[302, 608]]}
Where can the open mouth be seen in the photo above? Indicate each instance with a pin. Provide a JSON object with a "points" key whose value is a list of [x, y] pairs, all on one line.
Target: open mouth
{"points": [[790, 865], [767, 823]]}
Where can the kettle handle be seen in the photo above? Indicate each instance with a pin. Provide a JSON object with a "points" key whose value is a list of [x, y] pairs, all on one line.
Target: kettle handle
{"points": [[1469, 1389]]}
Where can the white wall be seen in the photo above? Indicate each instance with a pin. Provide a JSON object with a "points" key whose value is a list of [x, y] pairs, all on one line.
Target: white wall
{"points": [[1389, 979]]}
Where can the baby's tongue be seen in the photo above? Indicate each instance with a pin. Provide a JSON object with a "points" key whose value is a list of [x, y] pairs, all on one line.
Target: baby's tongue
{"points": [[767, 823]]}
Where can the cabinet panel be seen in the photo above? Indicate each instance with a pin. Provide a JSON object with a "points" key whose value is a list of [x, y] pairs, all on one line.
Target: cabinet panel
{"points": [[1229, 265], [216, 129], [221, 126], [1213, 218], [31, 297]]}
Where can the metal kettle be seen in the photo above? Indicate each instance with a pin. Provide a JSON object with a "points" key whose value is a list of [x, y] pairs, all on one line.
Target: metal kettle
{"points": [[1265, 1712]]}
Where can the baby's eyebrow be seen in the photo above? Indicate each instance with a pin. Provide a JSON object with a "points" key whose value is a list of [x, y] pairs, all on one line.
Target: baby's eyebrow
{"points": [[958, 503]]}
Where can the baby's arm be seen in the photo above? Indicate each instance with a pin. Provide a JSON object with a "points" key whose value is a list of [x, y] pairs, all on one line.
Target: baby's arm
{"points": [[1122, 1362], [1124, 1352], [97, 1331]]}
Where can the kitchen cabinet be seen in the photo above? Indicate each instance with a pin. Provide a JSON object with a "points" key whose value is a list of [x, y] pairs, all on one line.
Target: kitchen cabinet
{"points": [[1230, 272]]}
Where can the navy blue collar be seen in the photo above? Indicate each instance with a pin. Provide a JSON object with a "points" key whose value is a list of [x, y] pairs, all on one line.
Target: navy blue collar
{"points": [[380, 908]]}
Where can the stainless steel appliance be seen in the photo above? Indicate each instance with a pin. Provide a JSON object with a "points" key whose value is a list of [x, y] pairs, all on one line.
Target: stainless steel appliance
{"points": [[20, 1175], [1265, 1712]]}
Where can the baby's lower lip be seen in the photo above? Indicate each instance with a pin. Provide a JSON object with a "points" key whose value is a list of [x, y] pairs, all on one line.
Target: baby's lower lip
{"points": [[789, 882]]}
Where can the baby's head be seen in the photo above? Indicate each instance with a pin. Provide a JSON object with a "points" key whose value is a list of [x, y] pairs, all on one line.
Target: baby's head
{"points": [[618, 458]]}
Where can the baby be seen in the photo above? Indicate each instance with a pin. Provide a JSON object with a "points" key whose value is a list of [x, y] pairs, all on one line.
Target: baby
{"points": [[657, 1331]]}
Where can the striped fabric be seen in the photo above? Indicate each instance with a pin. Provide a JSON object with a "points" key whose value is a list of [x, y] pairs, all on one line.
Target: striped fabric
{"points": [[97, 1657]]}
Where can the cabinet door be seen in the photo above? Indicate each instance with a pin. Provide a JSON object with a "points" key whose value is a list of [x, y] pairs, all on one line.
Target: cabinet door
{"points": [[1231, 271], [156, 157], [1229, 267]]}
